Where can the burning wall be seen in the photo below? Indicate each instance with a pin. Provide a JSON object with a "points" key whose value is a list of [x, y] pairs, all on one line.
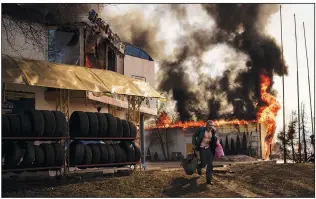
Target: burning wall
{"points": [[180, 139], [264, 128]]}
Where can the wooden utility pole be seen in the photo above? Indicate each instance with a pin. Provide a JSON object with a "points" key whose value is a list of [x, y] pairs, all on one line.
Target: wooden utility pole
{"points": [[283, 70], [309, 85], [298, 98]]}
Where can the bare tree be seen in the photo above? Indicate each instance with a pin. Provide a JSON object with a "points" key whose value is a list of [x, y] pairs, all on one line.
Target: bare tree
{"points": [[280, 137], [159, 132], [32, 22], [291, 135], [303, 113]]}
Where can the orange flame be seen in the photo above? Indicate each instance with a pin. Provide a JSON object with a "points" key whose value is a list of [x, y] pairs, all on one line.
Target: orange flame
{"points": [[165, 122], [267, 114], [88, 62]]}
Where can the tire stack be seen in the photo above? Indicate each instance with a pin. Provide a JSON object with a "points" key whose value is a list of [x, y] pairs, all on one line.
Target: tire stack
{"points": [[34, 123], [96, 155], [102, 126], [19, 155]]}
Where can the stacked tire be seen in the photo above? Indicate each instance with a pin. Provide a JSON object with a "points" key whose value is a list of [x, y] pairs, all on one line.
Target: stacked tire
{"points": [[19, 155], [93, 155], [89, 124], [34, 123]]}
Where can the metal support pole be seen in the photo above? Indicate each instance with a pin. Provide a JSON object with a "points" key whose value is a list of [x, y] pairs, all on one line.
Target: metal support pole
{"points": [[284, 143], [298, 99], [142, 139], [309, 85]]}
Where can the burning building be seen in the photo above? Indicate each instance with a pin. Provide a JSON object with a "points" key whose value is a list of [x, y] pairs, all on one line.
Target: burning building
{"points": [[177, 136], [259, 132]]}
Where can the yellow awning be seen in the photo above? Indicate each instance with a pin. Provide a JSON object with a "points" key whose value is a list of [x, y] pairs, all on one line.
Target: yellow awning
{"points": [[45, 74]]}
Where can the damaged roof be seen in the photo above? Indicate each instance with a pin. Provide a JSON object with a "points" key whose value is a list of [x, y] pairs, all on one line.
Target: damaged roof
{"points": [[135, 51]]}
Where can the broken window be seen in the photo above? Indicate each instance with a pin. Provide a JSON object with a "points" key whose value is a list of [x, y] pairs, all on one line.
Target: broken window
{"points": [[64, 46]]}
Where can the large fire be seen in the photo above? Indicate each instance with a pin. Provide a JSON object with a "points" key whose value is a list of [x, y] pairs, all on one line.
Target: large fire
{"points": [[165, 122], [267, 114]]}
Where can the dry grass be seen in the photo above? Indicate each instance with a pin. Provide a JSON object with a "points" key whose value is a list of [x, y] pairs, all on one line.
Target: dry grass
{"points": [[270, 180]]}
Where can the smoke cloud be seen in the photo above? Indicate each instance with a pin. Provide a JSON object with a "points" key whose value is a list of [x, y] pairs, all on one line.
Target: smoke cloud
{"points": [[235, 93]]}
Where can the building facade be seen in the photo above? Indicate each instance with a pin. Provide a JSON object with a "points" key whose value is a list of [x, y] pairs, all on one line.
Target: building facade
{"points": [[77, 45], [180, 140]]}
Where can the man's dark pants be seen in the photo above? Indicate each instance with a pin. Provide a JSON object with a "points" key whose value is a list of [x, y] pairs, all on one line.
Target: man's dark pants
{"points": [[206, 157]]}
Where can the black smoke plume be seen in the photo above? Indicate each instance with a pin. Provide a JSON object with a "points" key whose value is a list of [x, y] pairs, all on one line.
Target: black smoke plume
{"points": [[235, 93], [241, 27]]}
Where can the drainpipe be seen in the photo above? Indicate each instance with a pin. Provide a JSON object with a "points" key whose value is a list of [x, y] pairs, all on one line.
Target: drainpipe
{"points": [[142, 139]]}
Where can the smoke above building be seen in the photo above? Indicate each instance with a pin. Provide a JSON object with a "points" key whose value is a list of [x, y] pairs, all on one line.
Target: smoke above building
{"points": [[235, 93]]}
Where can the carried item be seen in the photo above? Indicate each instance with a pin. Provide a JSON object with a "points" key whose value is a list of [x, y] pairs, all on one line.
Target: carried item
{"points": [[190, 163], [219, 152]]}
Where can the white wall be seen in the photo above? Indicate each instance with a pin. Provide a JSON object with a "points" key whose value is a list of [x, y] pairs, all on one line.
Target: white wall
{"points": [[139, 67], [15, 43], [181, 137], [143, 68]]}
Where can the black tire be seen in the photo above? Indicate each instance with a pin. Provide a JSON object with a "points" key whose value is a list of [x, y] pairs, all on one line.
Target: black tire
{"points": [[79, 124], [5, 126], [112, 125], [118, 153], [29, 155], [126, 129], [6, 147], [124, 155], [111, 154], [49, 123], [59, 154], [61, 124], [104, 154], [119, 127], [76, 153], [103, 125], [93, 124], [137, 152], [37, 122], [39, 156], [15, 129], [133, 129], [96, 154], [87, 158], [13, 156], [25, 125], [49, 154], [128, 147]]}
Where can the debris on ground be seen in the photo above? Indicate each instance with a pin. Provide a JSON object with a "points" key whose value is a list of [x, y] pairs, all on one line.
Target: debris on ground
{"points": [[238, 158], [250, 180]]}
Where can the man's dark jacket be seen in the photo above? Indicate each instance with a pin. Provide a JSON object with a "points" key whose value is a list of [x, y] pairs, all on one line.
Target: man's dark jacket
{"points": [[198, 137]]}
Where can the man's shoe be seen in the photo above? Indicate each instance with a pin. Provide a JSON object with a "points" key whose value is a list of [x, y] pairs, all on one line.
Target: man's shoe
{"points": [[199, 171], [210, 182]]}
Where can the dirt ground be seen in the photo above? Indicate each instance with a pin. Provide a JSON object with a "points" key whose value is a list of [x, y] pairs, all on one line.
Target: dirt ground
{"points": [[252, 180]]}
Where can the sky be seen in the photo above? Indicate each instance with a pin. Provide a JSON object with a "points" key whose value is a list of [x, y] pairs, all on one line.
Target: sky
{"points": [[216, 56]]}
